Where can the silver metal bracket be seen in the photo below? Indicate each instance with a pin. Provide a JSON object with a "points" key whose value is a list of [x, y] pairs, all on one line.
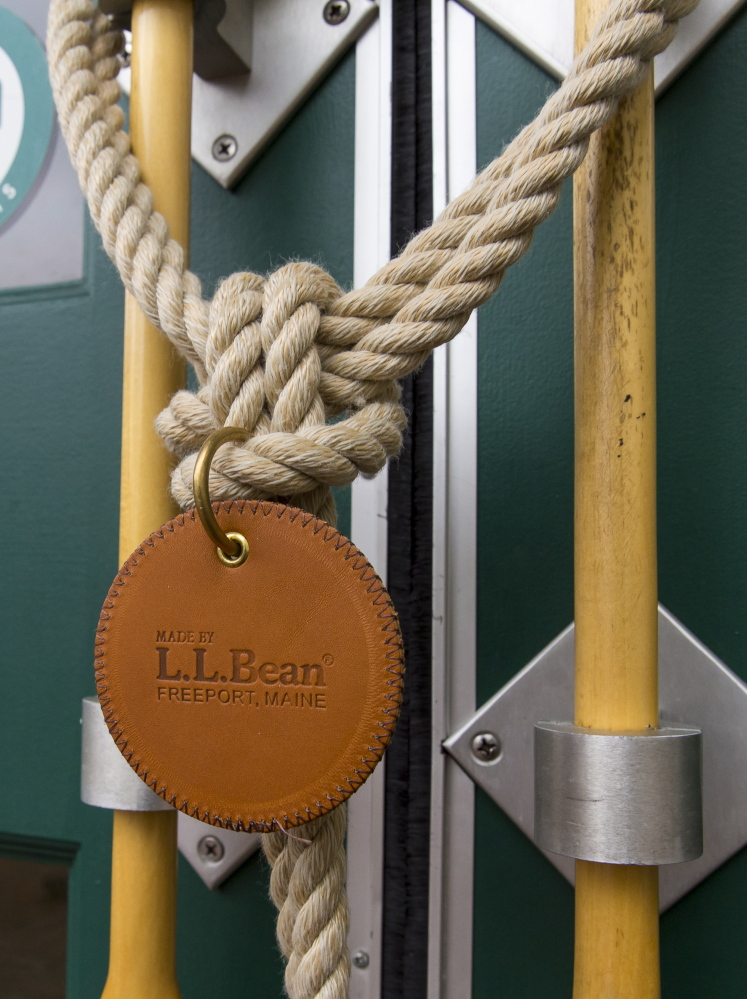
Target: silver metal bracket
{"points": [[496, 746], [618, 797], [106, 778], [256, 63], [222, 32], [108, 781], [213, 852]]}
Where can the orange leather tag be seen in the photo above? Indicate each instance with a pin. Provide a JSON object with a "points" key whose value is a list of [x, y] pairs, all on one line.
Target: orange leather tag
{"points": [[254, 696]]}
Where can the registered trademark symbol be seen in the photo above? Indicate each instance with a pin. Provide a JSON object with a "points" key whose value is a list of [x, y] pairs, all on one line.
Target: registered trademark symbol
{"points": [[327, 659]]}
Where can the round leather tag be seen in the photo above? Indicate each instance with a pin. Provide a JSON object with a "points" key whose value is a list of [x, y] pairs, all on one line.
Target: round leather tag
{"points": [[254, 696]]}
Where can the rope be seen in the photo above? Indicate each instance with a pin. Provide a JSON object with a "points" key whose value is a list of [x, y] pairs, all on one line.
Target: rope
{"points": [[307, 885], [281, 356]]}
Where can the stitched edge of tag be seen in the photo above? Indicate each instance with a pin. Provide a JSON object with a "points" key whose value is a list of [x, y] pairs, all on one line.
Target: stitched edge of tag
{"points": [[395, 667]]}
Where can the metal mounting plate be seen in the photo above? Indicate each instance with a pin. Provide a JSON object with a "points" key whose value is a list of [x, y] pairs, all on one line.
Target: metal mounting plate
{"points": [[695, 688], [214, 866], [543, 29], [293, 50]]}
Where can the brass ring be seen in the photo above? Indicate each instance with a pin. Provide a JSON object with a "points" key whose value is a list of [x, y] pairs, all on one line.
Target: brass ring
{"points": [[232, 548]]}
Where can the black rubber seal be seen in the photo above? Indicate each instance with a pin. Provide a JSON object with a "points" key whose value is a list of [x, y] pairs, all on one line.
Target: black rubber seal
{"points": [[410, 545]]}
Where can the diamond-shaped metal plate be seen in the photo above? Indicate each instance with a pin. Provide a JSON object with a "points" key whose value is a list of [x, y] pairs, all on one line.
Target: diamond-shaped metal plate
{"points": [[543, 29], [293, 48], [695, 688], [214, 866]]}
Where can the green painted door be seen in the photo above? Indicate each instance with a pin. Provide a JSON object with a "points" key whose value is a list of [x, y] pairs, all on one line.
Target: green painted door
{"points": [[523, 908], [60, 389]]}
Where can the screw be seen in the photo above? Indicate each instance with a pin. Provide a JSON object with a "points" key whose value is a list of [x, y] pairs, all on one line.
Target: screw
{"points": [[336, 11], [486, 747], [361, 959], [210, 850], [125, 56], [225, 148]]}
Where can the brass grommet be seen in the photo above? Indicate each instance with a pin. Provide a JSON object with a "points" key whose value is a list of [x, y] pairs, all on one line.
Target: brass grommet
{"points": [[233, 561], [232, 548]]}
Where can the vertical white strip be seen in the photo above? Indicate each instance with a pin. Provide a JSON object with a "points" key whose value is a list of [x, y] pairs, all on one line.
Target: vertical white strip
{"points": [[436, 913], [373, 71], [455, 533], [439, 85]]}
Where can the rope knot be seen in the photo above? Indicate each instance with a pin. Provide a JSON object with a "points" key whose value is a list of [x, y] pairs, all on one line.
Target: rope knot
{"points": [[263, 363]]}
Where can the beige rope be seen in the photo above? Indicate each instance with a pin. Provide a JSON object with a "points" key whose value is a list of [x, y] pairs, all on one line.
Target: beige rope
{"points": [[365, 339], [281, 356], [308, 887]]}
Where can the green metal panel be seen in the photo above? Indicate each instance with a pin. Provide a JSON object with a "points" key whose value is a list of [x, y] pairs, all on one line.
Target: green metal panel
{"points": [[60, 390], [523, 908], [701, 260]]}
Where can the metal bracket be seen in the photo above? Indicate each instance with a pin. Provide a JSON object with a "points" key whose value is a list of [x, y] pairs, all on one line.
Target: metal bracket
{"points": [[222, 31], [223, 38], [618, 797], [496, 746], [106, 778], [213, 852], [108, 781], [256, 63], [543, 30]]}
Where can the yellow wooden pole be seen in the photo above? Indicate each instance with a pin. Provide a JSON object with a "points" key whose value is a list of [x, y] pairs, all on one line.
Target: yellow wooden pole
{"points": [[160, 119], [142, 958], [142, 949], [617, 907]]}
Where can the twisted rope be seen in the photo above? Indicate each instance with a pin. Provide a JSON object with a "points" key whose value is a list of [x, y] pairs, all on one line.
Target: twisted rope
{"points": [[307, 886], [366, 339], [281, 356]]}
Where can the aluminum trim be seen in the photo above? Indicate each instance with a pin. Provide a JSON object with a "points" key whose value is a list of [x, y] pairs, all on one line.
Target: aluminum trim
{"points": [[365, 839], [455, 531]]}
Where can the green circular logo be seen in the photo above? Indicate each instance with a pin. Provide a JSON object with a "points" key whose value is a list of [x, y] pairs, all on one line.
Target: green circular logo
{"points": [[26, 113]]}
